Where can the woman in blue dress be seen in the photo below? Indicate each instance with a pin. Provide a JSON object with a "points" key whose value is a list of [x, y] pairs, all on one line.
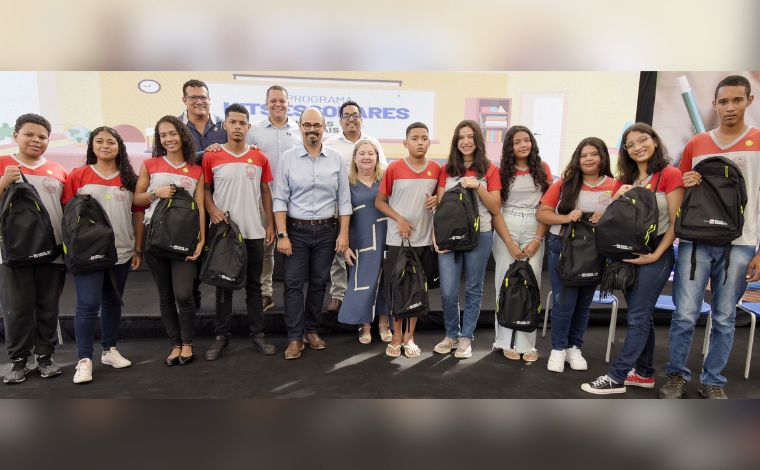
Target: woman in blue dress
{"points": [[364, 256]]}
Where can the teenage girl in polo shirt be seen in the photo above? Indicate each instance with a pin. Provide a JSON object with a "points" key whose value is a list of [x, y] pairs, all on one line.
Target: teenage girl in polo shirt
{"points": [[173, 163], [524, 180], [643, 161], [586, 185], [109, 178]]}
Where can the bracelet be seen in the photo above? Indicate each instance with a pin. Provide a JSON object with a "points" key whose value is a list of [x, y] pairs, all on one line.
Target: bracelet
{"points": [[538, 239], [139, 252]]}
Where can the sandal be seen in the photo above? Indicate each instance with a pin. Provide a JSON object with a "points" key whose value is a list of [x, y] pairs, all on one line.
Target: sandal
{"points": [[386, 335], [411, 349], [530, 356], [512, 354], [365, 337], [393, 350]]}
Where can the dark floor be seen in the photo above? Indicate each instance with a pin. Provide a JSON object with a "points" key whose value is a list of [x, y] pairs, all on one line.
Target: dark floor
{"points": [[346, 369]]}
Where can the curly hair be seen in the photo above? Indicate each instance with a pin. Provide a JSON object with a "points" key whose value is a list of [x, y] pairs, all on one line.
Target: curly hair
{"points": [[572, 177], [188, 144], [507, 166], [455, 165], [126, 172], [628, 170]]}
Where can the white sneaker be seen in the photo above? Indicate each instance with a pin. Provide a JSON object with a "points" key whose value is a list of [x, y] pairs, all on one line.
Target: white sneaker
{"points": [[556, 362], [113, 358], [575, 359], [446, 345], [84, 371], [464, 349]]}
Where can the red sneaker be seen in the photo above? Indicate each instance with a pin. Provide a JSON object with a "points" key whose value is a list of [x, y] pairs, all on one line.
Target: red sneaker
{"points": [[636, 380]]}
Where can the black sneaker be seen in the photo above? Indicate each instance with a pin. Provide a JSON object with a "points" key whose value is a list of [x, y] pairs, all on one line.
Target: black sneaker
{"points": [[712, 392], [17, 373], [675, 386], [217, 347], [603, 385], [47, 366], [262, 345]]}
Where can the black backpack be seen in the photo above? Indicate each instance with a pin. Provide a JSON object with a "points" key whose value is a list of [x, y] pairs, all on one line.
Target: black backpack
{"points": [[519, 303], [629, 224], [26, 232], [579, 262], [408, 296], [713, 211], [226, 259], [174, 228], [456, 221], [89, 244]]}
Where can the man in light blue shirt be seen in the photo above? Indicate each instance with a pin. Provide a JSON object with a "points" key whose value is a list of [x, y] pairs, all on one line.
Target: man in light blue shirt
{"points": [[310, 182], [273, 135]]}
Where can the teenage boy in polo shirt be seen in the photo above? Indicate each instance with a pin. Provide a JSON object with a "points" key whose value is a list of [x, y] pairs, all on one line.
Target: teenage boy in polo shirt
{"points": [[241, 177], [407, 197], [740, 143]]}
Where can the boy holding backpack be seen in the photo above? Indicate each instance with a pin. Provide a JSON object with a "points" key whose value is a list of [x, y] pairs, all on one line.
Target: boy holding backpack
{"points": [[406, 196], [30, 290], [241, 177], [727, 267]]}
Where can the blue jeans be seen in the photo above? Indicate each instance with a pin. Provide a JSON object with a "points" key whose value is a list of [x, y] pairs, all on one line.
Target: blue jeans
{"points": [[313, 252], [688, 297], [450, 267], [570, 305], [638, 348], [95, 292]]}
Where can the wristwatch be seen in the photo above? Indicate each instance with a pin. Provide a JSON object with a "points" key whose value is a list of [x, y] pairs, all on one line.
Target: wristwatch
{"points": [[152, 195], [281, 235]]}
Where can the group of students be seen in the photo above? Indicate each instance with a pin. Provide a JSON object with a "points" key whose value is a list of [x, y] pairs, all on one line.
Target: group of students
{"points": [[392, 210]]}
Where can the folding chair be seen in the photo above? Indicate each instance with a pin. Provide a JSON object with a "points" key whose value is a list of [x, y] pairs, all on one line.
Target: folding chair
{"points": [[598, 300], [753, 309]]}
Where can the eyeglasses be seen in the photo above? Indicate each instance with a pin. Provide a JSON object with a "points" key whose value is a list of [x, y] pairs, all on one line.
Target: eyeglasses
{"points": [[354, 116], [198, 98], [632, 145], [308, 125]]}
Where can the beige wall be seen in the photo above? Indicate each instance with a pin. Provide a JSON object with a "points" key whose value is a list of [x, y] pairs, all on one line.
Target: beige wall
{"points": [[596, 103]]}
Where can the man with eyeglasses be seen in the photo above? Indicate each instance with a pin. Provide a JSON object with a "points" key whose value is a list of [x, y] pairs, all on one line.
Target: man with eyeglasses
{"points": [[273, 135], [208, 133], [205, 128], [311, 180], [351, 123]]}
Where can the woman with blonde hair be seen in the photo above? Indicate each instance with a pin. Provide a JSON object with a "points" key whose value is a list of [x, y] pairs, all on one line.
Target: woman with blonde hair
{"points": [[364, 256]]}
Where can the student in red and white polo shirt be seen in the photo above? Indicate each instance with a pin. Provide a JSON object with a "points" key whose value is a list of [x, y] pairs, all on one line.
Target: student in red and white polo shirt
{"points": [[586, 185], [241, 176], [173, 164], [109, 178], [29, 294]]}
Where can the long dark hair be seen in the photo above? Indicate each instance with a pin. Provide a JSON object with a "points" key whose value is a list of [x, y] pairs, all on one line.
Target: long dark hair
{"points": [[572, 177], [126, 172], [188, 144], [455, 166], [628, 170], [508, 160]]}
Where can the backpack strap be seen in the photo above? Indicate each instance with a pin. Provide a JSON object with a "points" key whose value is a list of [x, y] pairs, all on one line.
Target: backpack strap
{"points": [[693, 260]]}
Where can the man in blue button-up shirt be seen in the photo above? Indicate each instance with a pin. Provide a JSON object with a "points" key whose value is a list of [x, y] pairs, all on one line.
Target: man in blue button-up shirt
{"points": [[310, 182]]}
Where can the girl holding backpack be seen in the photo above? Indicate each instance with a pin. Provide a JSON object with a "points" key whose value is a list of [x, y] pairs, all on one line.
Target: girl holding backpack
{"points": [[524, 179], [469, 167], [172, 166], [643, 162], [109, 179], [586, 187]]}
